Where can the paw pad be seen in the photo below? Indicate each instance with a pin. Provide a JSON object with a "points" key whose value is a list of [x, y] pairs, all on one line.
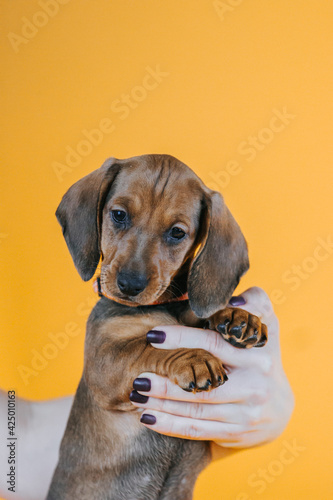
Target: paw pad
{"points": [[240, 328]]}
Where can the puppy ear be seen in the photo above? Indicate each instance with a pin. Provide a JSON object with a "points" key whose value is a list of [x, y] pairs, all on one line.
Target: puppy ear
{"points": [[221, 260], [79, 215]]}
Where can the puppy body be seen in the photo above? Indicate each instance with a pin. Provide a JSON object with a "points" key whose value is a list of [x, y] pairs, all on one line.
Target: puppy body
{"points": [[159, 233], [106, 454]]}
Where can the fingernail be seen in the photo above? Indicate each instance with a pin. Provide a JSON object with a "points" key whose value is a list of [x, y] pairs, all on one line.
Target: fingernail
{"points": [[156, 336], [138, 398], [142, 384], [148, 419], [237, 301]]}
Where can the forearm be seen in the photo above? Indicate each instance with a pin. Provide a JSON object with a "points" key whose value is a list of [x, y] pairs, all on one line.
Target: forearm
{"points": [[39, 429]]}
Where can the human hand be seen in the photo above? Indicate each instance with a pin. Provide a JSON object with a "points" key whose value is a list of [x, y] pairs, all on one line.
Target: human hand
{"points": [[251, 408]]}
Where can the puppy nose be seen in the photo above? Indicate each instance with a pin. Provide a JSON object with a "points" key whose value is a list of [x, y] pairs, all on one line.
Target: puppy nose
{"points": [[131, 283]]}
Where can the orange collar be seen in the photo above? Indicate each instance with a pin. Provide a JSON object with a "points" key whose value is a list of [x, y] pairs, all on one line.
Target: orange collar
{"points": [[98, 289]]}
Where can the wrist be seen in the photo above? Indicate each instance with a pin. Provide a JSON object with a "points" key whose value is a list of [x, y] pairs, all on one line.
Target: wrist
{"points": [[218, 450]]}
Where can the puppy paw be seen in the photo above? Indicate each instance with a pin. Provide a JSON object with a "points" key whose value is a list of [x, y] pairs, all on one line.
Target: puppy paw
{"points": [[197, 370], [239, 328]]}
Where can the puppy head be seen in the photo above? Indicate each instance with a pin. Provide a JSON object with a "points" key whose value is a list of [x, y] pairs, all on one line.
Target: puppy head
{"points": [[151, 218]]}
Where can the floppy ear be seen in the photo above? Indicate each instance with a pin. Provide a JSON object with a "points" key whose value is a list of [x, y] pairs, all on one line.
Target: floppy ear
{"points": [[79, 215], [221, 261]]}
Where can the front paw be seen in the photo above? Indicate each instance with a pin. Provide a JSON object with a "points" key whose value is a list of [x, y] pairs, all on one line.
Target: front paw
{"points": [[196, 370], [239, 328]]}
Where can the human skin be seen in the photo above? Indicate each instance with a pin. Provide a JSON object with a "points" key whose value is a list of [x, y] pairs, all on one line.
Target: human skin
{"points": [[251, 408], [39, 429]]}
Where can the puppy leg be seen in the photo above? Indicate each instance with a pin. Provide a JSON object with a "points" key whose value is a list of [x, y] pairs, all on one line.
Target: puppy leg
{"points": [[117, 351], [194, 370]]}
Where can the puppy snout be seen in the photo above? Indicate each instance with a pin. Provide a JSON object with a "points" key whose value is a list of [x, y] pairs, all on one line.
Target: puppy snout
{"points": [[131, 283]]}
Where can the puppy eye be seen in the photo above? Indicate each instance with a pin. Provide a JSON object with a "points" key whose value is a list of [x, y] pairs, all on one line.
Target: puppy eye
{"points": [[177, 233], [118, 216]]}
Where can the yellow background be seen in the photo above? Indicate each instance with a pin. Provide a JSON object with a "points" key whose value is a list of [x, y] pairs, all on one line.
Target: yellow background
{"points": [[227, 72]]}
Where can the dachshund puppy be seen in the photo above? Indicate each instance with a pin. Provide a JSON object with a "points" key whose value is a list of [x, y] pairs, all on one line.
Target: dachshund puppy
{"points": [[159, 233]]}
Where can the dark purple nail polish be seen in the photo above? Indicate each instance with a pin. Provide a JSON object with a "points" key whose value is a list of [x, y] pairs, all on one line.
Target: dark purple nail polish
{"points": [[138, 398], [142, 384], [237, 301], [148, 419], [156, 337]]}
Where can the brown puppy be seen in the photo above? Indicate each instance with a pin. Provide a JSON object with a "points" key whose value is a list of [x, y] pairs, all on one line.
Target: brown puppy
{"points": [[159, 232]]}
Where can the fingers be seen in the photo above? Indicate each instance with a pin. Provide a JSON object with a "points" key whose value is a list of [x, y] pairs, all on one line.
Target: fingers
{"points": [[232, 414], [163, 388], [189, 428], [236, 390], [177, 336], [238, 420], [256, 302], [229, 413], [201, 411]]}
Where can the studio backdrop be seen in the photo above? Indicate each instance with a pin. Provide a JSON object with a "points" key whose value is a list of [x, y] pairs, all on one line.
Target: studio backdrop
{"points": [[240, 92]]}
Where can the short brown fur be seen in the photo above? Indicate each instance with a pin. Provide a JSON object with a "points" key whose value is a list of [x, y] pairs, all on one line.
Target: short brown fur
{"points": [[106, 453]]}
